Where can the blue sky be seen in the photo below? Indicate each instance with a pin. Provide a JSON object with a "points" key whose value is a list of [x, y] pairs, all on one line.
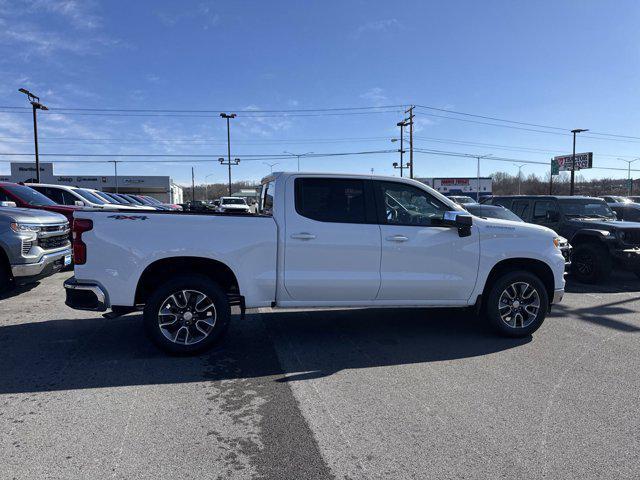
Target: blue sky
{"points": [[570, 64]]}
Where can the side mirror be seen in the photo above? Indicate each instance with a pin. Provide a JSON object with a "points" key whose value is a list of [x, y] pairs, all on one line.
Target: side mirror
{"points": [[8, 204], [460, 220], [552, 216], [79, 203]]}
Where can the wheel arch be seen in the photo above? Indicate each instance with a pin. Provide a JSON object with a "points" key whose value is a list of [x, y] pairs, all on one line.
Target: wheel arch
{"points": [[161, 270], [537, 267]]}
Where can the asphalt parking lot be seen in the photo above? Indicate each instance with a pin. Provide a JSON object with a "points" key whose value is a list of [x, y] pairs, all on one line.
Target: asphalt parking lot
{"points": [[346, 394]]}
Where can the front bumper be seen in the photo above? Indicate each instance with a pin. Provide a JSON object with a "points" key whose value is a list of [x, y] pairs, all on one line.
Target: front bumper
{"points": [[48, 264], [85, 296], [557, 295]]}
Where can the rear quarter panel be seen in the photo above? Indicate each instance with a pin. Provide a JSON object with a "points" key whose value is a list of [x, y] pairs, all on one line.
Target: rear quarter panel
{"points": [[121, 245]]}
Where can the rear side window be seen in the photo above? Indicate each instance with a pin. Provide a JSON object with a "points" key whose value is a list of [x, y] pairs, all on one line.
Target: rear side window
{"points": [[266, 198], [331, 199], [521, 208], [542, 207]]}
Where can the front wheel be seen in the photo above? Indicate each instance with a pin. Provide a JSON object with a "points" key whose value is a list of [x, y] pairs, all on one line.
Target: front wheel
{"points": [[591, 263], [516, 304], [187, 315]]}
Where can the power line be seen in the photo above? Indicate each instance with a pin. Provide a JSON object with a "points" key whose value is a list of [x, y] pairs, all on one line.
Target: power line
{"points": [[216, 111]]}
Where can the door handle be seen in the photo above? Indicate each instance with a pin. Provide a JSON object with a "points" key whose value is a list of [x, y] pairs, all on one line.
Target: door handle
{"points": [[303, 236], [397, 238]]}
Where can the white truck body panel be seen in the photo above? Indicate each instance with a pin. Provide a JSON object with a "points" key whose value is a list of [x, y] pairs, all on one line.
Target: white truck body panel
{"points": [[295, 261]]}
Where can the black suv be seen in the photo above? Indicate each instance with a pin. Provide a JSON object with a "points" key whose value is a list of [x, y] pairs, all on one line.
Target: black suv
{"points": [[599, 240]]}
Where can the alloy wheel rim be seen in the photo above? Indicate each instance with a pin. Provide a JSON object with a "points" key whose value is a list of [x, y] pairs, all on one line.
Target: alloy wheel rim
{"points": [[584, 264], [187, 317], [519, 305]]}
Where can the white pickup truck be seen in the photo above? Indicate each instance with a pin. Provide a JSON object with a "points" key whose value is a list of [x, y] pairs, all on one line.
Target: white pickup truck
{"points": [[318, 240]]}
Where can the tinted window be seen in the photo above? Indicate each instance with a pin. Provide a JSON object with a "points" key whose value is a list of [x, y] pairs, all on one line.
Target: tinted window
{"points": [[331, 199], [29, 195], [521, 208], [503, 202], [4, 197], [586, 207], [408, 205], [541, 208], [89, 196]]}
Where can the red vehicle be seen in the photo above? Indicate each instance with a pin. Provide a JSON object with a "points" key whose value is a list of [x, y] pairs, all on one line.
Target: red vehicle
{"points": [[26, 197]]}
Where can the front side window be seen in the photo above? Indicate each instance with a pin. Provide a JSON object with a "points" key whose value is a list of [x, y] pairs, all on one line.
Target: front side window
{"points": [[408, 205], [331, 199], [521, 208]]}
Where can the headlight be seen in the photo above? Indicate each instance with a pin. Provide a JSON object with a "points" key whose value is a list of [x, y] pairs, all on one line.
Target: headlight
{"points": [[24, 227]]}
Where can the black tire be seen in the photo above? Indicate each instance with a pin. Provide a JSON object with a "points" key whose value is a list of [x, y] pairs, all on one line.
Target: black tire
{"points": [[5, 277], [637, 272], [523, 312], [183, 312], [591, 263]]}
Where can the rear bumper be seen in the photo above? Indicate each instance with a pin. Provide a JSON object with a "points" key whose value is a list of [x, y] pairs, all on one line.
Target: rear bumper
{"points": [[48, 264], [85, 296]]}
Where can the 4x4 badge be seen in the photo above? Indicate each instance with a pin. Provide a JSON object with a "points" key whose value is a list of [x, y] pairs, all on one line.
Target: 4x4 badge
{"points": [[128, 217]]}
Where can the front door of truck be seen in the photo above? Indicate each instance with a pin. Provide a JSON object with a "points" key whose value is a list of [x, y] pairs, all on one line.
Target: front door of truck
{"points": [[332, 240], [421, 260]]}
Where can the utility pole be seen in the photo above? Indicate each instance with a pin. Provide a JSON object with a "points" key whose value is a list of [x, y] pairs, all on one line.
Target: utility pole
{"points": [[115, 171], [229, 163], [35, 105], [193, 186], [410, 112], [629, 181], [206, 186], [401, 124], [573, 157], [551, 179]]}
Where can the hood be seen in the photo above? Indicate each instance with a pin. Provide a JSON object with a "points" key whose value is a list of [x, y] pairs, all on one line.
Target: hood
{"points": [[496, 225], [237, 207], [601, 224], [28, 215]]}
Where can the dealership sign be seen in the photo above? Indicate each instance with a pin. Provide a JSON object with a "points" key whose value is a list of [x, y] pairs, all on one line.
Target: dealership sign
{"points": [[564, 162]]}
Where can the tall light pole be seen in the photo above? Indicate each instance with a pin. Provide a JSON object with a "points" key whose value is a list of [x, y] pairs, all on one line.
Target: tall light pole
{"points": [[298, 155], [479, 157], [236, 161], [229, 116], [573, 157], [629, 182], [401, 124], [271, 165], [35, 105], [520, 175]]}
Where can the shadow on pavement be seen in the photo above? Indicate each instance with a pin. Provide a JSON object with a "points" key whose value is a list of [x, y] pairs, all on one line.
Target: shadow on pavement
{"points": [[604, 315], [14, 291], [96, 352], [619, 282]]}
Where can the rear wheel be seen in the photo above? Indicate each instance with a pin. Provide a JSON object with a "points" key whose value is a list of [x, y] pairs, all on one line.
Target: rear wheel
{"points": [[591, 263], [5, 277], [187, 315], [517, 304]]}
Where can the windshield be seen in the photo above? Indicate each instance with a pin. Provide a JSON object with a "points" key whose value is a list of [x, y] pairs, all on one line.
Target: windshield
{"points": [[89, 196], [114, 199], [233, 201], [586, 208], [132, 200], [30, 196], [153, 200], [493, 212]]}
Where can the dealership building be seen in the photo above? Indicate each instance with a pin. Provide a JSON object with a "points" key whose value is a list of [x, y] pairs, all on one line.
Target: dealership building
{"points": [[468, 186], [160, 187]]}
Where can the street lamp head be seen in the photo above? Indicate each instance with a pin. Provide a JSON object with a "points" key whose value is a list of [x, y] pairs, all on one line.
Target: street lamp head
{"points": [[579, 130], [394, 139], [220, 159], [401, 124], [395, 164], [225, 115], [24, 90]]}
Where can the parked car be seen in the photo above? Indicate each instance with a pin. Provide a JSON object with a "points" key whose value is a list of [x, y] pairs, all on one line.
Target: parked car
{"points": [[501, 213], [33, 244], [462, 199], [233, 205], [319, 241], [67, 195], [634, 198], [155, 201], [614, 199], [600, 241], [629, 212], [26, 197]]}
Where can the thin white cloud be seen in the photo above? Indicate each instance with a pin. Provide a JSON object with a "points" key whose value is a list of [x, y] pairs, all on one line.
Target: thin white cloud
{"points": [[378, 26], [79, 14], [376, 96], [204, 13]]}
